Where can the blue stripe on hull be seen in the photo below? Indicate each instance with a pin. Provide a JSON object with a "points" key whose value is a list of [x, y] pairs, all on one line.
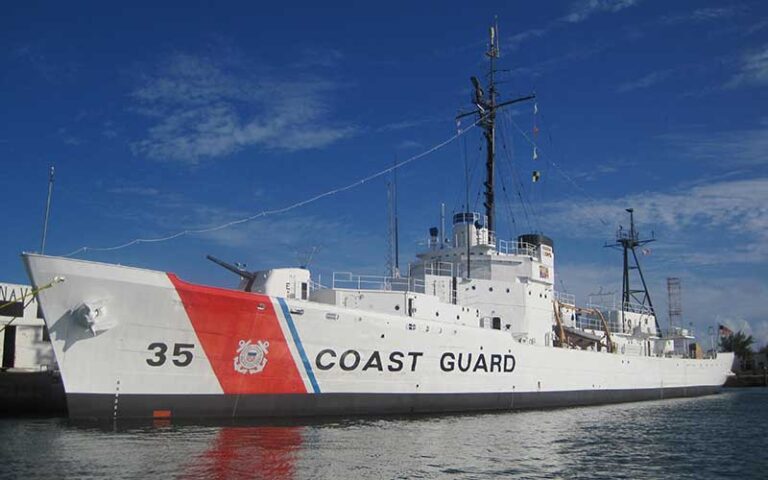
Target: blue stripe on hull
{"points": [[299, 346]]}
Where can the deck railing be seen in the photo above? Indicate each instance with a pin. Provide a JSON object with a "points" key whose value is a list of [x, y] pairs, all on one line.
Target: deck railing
{"points": [[348, 280], [565, 298], [514, 247]]}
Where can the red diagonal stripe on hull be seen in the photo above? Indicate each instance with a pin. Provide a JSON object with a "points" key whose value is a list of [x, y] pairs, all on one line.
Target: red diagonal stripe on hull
{"points": [[222, 319]]}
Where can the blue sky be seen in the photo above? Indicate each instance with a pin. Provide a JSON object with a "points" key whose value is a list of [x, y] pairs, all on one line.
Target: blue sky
{"points": [[187, 116]]}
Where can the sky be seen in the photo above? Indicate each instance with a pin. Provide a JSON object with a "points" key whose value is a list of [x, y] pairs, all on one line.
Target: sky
{"points": [[192, 115]]}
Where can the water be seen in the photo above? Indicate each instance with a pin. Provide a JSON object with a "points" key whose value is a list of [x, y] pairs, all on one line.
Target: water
{"points": [[722, 436]]}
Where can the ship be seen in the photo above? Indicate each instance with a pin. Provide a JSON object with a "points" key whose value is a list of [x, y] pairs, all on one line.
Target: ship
{"points": [[475, 324]]}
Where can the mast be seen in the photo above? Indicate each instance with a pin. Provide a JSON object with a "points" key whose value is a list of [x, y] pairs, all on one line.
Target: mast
{"points": [[47, 210], [396, 223], [393, 237], [628, 242], [485, 109], [489, 131]]}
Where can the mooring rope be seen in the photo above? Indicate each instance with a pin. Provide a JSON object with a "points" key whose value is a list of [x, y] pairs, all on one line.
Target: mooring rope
{"points": [[30, 294]]}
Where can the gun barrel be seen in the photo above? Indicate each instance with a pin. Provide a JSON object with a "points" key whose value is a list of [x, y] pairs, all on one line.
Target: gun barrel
{"points": [[232, 268]]}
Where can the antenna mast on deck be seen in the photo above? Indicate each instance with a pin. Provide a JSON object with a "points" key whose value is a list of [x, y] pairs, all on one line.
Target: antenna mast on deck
{"points": [[485, 108], [393, 240], [633, 298], [47, 210]]}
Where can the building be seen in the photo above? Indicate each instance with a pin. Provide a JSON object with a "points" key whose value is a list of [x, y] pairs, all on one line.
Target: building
{"points": [[25, 342]]}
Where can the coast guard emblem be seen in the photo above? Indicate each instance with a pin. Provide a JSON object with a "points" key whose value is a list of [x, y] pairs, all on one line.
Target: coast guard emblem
{"points": [[251, 357]]}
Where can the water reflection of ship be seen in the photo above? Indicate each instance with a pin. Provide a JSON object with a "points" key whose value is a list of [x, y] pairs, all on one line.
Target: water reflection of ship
{"points": [[250, 452]]}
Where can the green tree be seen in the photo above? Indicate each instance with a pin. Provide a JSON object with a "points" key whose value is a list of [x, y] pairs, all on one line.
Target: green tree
{"points": [[738, 343]]}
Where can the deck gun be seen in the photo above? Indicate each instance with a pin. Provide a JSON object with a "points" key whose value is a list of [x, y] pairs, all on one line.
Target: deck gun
{"points": [[237, 270]]}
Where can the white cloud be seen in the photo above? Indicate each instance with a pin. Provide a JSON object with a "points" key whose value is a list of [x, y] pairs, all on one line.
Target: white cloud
{"points": [[706, 14], [579, 12], [586, 8], [517, 39], [319, 57], [204, 108], [406, 124], [753, 70], [554, 63], [645, 81], [748, 147], [66, 137], [50, 66], [706, 219], [407, 144], [731, 301], [756, 27], [135, 190]]}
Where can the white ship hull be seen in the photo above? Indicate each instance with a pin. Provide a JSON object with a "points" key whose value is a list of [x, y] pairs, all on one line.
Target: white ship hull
{"points": [[161, 347]]}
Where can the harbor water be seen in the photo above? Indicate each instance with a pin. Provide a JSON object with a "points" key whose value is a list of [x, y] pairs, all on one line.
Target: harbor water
{"points": [[720, 436]]}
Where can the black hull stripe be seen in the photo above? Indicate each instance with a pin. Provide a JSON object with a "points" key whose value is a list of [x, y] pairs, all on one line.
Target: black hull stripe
{"points": [[101, 406]]}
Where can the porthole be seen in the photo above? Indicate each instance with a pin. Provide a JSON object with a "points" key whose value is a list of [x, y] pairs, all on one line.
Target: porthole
{"points": [[437, 314], [490, 289], [457, 317], [473, 287], [397, 307], [507, 290]]}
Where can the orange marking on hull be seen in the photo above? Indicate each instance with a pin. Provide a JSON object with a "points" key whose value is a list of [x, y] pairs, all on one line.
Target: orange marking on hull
{"points": [[225, 320]]}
